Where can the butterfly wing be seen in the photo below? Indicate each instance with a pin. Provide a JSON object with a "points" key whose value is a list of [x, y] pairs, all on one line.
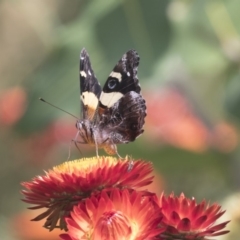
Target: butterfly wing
{"points": [[121, 80], [122, 108], [90, 88], [126, 118]]}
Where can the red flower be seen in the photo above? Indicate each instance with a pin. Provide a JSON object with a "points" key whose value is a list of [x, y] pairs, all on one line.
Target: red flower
{"points": [[119, 215], [67, 184], [185, 219]]}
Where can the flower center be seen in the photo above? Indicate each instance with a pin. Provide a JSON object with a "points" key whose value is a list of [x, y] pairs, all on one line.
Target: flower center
{"points": [[84, 164], [112, 225]]}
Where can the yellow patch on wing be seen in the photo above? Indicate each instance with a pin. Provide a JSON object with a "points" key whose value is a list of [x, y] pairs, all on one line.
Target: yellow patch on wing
{"points": [[90, 101], [109, 99]]}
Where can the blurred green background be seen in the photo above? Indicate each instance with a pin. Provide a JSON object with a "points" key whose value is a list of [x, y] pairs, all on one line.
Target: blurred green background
{"points": [[189, 73]]}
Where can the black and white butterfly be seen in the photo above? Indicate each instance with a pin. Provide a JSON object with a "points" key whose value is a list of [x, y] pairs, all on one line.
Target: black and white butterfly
{"points": [[114, 114]]}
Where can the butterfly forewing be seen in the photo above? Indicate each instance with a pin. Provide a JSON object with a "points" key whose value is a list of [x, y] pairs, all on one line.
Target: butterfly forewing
{"points": [[90, 88], [121, 80]]}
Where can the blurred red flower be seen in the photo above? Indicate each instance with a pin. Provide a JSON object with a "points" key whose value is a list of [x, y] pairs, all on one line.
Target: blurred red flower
{"points": [[39, 144]]}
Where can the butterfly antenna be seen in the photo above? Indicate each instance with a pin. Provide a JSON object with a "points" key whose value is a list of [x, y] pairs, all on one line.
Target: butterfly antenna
{"points": [[41, 99]]}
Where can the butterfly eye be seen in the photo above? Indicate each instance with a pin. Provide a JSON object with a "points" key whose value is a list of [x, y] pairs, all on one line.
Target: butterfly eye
{"points": [[112, 83]]}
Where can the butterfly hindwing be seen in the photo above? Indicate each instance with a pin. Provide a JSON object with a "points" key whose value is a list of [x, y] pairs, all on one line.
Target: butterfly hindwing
{"points": [[133, 111], [125, 119], [90, 88]]}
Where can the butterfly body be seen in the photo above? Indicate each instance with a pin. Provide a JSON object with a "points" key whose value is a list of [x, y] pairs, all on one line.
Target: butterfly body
{"points": [[96, 136], [114, 114]]}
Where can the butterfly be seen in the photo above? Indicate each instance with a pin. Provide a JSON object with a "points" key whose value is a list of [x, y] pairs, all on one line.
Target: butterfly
{"points": [[114, 114]]}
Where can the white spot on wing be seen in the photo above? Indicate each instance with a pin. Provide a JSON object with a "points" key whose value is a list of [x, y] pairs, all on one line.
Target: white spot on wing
{"points": [[83, 74], [124, 57], [109, 99], [128, 73], [116, 75], [89, 99], [89, 73]]}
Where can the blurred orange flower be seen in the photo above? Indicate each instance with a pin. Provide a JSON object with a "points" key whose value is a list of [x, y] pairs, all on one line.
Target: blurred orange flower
{"points": [[13, 103], [172, 119], [23, 229]]}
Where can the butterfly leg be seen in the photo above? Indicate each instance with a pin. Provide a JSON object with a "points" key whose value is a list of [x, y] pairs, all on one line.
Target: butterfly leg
{"points": [[96, 145], [75, 143], [115, 150], [118, 154]]}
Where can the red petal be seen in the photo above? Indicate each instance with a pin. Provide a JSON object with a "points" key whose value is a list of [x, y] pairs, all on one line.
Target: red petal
{"points": [[199, 222], [174, 218], [196, 212], [65, 236], [213, 219], [184, 225], [220, 233], [219, 226], [184, 207]]}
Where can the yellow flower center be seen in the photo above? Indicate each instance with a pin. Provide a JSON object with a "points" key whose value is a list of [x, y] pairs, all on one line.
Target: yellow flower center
{"points": [[84, 164]]}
